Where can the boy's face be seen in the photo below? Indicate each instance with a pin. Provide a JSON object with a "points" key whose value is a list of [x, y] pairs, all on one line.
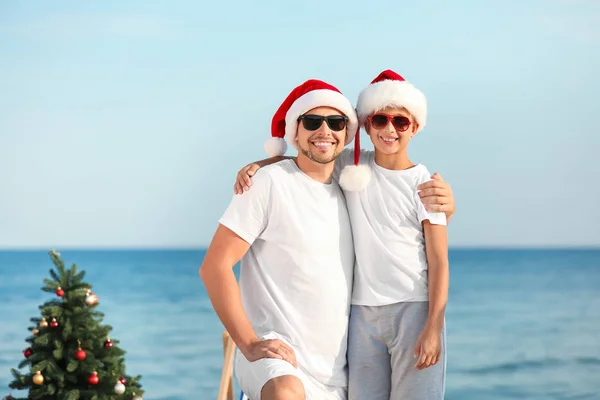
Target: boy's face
{"points": [[320, 143], [391, 129]]}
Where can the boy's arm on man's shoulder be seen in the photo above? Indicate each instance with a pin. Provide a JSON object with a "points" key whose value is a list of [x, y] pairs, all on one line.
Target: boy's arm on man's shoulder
{"points": [[243, 179]]}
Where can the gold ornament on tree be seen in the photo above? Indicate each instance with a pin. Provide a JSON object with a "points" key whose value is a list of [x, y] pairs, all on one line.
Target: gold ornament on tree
{"points": [[35, 331], [43, 323], [38, 378]]}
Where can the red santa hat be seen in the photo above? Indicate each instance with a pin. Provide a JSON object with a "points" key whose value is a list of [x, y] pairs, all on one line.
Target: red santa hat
{"points": [[388, 89], [311, 94]]}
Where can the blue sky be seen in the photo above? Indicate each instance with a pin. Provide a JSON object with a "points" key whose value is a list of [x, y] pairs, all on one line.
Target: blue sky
{"points": [[122, 124]]}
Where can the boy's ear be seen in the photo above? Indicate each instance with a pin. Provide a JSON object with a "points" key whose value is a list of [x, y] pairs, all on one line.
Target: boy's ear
{"points": [[415, 128]]}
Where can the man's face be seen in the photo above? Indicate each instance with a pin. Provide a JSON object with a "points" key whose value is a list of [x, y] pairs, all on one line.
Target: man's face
{"points": [[322, 145], [387, 137]]}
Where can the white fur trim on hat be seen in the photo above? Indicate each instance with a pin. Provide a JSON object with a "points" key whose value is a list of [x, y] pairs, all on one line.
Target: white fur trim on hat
{"points": [[392, 93], [275, 146], [355, 178], [320, 98]]}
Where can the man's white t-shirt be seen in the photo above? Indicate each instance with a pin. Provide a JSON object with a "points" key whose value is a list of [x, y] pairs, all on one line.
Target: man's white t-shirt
{"points": [[387, 216], [296, 278]]}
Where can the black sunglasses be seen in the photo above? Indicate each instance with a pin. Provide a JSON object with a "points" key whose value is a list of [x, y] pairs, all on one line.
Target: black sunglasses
{"points": [[312, 122]]}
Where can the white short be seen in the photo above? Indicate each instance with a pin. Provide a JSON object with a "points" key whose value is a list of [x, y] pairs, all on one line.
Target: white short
{"points": [[252, 376]]}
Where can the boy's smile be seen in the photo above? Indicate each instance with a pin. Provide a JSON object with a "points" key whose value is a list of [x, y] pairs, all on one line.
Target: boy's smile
{"points": [[387, 139]]}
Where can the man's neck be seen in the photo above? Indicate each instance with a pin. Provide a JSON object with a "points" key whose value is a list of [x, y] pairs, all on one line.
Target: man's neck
{"points": [[398, 161], [319, 172]]}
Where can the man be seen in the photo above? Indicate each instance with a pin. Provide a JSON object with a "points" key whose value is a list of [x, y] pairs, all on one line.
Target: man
{"points": [[289, 315]]}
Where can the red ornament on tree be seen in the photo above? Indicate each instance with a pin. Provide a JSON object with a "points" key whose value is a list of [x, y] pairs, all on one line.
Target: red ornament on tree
{"points": [[28, 352], [54, 323], [93, 379], [60, 292], [80, 355], [123, 380], [108, 343]]}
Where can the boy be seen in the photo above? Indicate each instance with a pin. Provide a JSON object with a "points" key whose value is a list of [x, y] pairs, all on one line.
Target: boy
{"points": [[396, 334]]}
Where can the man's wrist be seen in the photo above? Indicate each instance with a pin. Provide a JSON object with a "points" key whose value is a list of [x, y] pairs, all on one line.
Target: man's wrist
{"points": [[245, 344]]}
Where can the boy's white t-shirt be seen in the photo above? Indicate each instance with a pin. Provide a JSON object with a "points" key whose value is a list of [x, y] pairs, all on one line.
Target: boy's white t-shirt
{"points": [[296, 278], [389, 243]]}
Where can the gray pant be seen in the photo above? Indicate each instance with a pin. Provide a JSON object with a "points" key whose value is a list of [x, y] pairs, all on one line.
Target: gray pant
{"points": [[380, 354]]}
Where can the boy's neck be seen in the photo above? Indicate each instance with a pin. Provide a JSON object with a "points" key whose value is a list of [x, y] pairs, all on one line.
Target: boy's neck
{"points": [[319, 172], [393, 161]]}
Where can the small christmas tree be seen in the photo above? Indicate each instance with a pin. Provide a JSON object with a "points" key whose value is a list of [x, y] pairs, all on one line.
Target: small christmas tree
{"points": [[71, 355]]}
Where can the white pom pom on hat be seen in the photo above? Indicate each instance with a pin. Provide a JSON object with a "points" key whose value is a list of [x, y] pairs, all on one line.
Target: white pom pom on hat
{"points": [[388, 89], [275, 146], [355, 178], [311, 94]]}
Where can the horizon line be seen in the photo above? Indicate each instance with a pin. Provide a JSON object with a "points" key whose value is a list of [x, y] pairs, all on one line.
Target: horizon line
{"points": [[203, 248]]}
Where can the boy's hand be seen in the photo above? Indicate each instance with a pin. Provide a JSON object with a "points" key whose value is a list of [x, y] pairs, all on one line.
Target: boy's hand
{"points": [[437, 195], [243, 181], [428, 348]]}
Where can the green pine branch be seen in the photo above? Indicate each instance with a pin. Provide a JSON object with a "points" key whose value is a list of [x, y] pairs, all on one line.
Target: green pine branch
{"points": [[79, 277], [54, 276]]}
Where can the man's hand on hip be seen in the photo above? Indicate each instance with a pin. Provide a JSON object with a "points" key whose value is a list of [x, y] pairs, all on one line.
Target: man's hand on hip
{"points": [[270, 348]]}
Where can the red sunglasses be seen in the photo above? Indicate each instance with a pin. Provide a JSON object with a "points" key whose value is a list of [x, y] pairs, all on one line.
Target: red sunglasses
{"points": [[380, 121]]}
